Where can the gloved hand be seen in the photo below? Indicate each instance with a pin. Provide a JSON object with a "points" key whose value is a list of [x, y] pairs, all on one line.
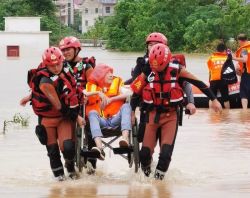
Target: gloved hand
{"points": [[92, 61], [146, 70], [70, 113], [140, 61]]}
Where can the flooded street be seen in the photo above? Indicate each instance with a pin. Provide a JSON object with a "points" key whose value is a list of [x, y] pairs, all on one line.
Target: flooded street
{"points": [[211, 156]]}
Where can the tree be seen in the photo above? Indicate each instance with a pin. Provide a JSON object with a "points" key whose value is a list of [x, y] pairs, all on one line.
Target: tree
{"points": [[203, 26], [194, 25]]}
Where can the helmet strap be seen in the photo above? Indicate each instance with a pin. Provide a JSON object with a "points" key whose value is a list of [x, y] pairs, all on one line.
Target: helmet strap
{"points": [[75, 55], [147, 51]]}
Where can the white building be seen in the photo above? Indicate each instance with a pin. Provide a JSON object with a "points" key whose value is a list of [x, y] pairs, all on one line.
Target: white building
{"points": [[65, 11], [92, 9], [21, 47]]}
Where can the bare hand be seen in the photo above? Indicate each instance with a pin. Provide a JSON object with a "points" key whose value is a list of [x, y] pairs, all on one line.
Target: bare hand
{"points": [[106, 103], [109, 100], [191, 107], [238, 71], [133, 118], [84, 99], [216, 106], [104, 99], [25, 100], [80, 121]]}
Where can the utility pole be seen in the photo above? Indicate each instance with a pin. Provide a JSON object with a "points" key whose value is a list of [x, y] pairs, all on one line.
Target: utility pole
{"points": [[60, 14], [70, 7]]}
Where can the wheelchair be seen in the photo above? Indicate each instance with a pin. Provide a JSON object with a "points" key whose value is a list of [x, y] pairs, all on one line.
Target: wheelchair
{"points": [[84, 143]]}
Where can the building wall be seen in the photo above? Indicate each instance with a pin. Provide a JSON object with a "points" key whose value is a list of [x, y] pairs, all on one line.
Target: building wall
{"points": [[111, 7], [32, 42], [88, 18], [65, 11], [25, 33], [31, 47], [89, 14], [20, 24]]}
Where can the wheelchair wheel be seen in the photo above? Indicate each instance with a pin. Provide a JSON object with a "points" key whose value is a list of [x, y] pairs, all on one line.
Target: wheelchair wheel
{"points": [[135, 147], [130, 155], [79, 141]]}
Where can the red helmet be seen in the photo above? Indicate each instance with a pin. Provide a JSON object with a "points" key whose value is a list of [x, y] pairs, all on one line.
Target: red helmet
{"points": [[159, 57], [68, 42], [180, 58], [157, 37], [52, 56]]}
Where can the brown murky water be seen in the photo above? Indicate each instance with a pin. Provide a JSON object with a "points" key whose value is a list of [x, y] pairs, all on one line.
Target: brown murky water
{"points": [[211, 156]]}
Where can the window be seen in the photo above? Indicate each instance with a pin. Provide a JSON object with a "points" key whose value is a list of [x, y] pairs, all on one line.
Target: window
{"points": [[86, 23], [12, 51], [86, 10], [107, 9], [96, 10]]}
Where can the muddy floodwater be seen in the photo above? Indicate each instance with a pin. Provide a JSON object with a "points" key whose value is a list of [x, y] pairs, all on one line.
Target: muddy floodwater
{"points": [[211, 156]]}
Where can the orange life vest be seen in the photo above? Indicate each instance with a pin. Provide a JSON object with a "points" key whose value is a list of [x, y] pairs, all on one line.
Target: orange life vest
{"points": [[215, 63], [163, 89], [94, 101], [238, 55]]}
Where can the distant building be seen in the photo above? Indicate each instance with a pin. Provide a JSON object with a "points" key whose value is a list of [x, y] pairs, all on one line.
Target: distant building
{"points": [[21, 47], [22, 39], [66, 10], [92, 9]]}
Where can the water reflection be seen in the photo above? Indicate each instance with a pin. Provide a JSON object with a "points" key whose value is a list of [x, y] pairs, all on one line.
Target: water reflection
{"points": [[231, 127], [156, 190]]}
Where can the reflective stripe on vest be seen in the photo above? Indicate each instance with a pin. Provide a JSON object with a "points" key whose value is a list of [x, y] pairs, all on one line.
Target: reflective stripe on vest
{"points": [[215, 65], [79, 72], [40, 103], [94, 101]]}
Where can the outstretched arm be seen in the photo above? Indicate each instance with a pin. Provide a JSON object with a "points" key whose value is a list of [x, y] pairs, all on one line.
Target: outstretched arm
{"points": [[125, 93], [24, 100], [187, 76], [187, 87], [242, 59]]}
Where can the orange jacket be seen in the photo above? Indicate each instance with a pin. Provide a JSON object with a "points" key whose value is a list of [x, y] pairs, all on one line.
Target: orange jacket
{"points": [[238, 55], [215, 63], [94, 101]]}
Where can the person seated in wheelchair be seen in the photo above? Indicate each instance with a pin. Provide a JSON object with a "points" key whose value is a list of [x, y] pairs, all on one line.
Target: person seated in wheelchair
{"points": [[108, 108]]}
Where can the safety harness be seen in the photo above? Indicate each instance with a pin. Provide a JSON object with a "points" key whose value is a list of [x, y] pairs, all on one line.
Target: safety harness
{"points": [[64, 84], [163, 92]]}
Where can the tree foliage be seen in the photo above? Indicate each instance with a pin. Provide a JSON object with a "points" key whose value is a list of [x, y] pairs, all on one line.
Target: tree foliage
{"points": [[193, 25]]}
